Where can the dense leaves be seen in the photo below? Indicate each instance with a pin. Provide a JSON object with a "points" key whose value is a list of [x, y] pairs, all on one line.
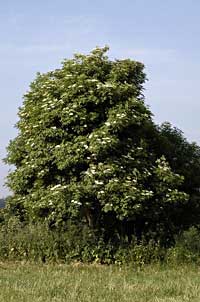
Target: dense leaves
{"points": [[87, 149], [184, 158]]}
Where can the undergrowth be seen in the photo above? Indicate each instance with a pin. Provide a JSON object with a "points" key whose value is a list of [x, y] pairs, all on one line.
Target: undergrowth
{"points": [[78, 243]]}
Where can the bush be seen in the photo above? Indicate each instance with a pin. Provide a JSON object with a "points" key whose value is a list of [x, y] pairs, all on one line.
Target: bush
{"points": [[187, 247], [140, 253], [36, 242], [77, 243]]}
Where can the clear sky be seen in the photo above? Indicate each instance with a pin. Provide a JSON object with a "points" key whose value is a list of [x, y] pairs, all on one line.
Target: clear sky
{"points": [[37, 35]]}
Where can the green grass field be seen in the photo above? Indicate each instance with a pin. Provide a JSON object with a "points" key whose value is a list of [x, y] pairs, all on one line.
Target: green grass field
{"points": [[38, 283]]}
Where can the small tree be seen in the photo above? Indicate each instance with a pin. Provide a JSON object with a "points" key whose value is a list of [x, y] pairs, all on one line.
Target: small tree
{"points": [[84, 148], [184, 158]]}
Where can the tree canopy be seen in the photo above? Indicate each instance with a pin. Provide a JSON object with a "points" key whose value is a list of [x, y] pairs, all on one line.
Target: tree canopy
{"points": [[88, 150]]}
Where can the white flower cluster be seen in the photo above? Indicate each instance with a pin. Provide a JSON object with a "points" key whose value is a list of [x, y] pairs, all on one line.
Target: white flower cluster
{"points": [[91, 171], [55, 187], [23, 114], [72, 86], [97, 182], [99, 139], [92, 80], [76, 202], [49, 104], [58, 186], [101, 192], [121, 115], [106, 85], [41, 173]]}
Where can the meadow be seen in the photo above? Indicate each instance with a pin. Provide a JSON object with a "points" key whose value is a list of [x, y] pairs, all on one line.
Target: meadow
{"points": [[98, 283]]}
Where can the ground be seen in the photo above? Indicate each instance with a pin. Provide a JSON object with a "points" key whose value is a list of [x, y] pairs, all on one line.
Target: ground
{"points": [[92, 283]]}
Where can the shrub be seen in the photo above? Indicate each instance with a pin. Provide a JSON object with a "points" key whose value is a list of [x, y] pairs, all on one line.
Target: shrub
{"points": [[187, 247]]}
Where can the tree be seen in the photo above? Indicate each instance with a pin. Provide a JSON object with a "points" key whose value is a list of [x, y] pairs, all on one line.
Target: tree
{"points": [[184, 158], [84, 149]]}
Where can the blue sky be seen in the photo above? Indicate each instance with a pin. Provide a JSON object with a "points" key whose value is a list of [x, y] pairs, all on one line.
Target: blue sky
{"points": [[164, 35]]}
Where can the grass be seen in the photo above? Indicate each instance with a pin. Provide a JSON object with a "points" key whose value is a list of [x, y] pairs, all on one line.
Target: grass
{"points": [[82, 283]]}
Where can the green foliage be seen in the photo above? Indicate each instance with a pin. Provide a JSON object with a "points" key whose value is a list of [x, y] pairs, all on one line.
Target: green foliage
{"points": [[37, 243], [187, 247], [84, 152], [140, 253], [78, 243], [184, 158]]}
